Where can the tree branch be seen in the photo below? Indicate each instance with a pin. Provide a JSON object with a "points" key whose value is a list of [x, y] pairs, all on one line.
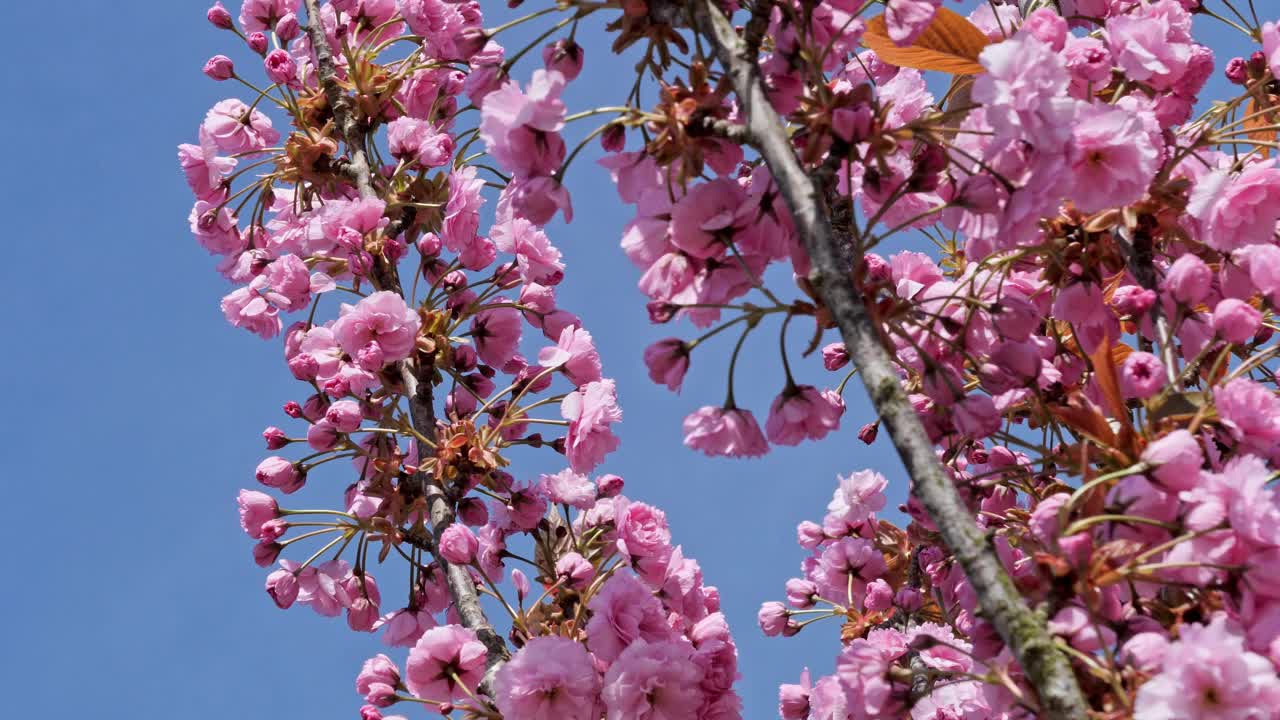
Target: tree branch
{"points": [[1046, 668], [417, 388]]}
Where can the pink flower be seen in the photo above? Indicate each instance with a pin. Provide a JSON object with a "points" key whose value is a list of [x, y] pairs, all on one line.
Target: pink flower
{"points": [[907, 19], [282, 586], [667, 361], [496, 332], [1188, 280], [215, 229], [793, 700], [403, 627], [1142, 375], [278, 473], [802, 412], [575, 354], [591, 411], [772, 618], [246, 309], [551, 678], [419, 141], [724, 431], [281, 68], [848, 565], [976, 416], [575, 571], [1025, 91], [569, 488], [204, 170], [855, 501], [1271, 46], [1152, 42], [1251, 412], [226, 124], [323, 587], [1112, 157], [653, 681], [445, 659], [219, 67], [536, 258], [462, 213], [219, 17], [256, 509], [260, 15], [863, 669], [1209, 675], [835, 356], [623, 614], [521, 130], [1177, 459], [565, 57], [382, 320], [701, 218], [536, 198], [458, 544], [1236, 321], [642, 530], [1237, 210], [377, 670]]}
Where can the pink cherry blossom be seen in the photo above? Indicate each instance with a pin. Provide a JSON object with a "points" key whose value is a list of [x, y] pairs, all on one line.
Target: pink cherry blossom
{"points": [[653, 680], [445, 660], [381, 320], [234, 128], [458, 544], [496, 332], [1207, 674], [1237, 210], [801, 413], [591, 411], [551, 678], [575, 355], [907, 19], [623, 614], [724, 431], [569, 488]]}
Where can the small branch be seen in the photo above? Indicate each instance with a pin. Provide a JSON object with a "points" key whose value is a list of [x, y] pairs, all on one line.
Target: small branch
{"points": [[1046, 668], [417, 388]]}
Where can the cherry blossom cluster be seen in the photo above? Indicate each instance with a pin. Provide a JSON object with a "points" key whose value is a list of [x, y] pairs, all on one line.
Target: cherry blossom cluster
{"points": [[1087, 341], [345, 200]]}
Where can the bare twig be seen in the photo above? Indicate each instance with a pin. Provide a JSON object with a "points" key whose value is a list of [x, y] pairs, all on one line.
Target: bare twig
{"points": [[417, 388], [1025, 631]]}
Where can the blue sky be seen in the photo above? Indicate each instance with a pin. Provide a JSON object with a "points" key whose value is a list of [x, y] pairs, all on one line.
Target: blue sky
{"points": [[135, 409]]}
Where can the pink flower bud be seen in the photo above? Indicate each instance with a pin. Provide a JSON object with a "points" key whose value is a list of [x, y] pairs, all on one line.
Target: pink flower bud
{"points": [[868, 432], [1133, 300], [256, 509], [1142, 375], [282, 586], [381, 695], [345, 415], [1188, 280], [909, 599], [220, 67], [429, 245], [564, 56], [219, 17], [1177, 458], [835, 356], [608, 486], [287, 28], [322, 436], [281, 68], [369, 712], [1237, 71], [275, 438], [257, 42], [266, 552], [773, 618], [293, 410], [521, 581], [304, 366], [809, 535], [614, 139], [1236, 321], [575, 571], [879, 596], [281, 474], [801, 593], [668, 361], [1047, 26], [980, 194], [274, 529], [458, 544]]}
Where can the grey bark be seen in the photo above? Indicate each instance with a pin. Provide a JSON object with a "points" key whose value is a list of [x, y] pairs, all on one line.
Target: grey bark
{"points": [[1047, 668], [416, 381]]}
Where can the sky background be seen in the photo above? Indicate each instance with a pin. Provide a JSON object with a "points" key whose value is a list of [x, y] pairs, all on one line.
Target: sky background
{"points": [[136, 410]]}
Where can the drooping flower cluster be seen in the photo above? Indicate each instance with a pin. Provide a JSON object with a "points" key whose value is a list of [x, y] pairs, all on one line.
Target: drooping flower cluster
{"points": [[427, 338]]}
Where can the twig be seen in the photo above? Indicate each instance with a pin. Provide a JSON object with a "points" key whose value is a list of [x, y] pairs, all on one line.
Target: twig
{"points": [[1046, 668]]}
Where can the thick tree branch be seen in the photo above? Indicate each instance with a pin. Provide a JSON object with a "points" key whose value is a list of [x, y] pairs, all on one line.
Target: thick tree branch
{"points": [[417, 386], [1046, 668]]}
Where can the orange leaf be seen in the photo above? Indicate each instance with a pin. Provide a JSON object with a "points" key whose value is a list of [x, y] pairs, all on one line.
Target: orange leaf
{"points": [[950, 44], [1104, 373], [1260, 115]]}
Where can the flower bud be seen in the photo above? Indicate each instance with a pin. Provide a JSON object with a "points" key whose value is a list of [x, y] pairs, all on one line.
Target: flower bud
{"points": [[1142, 375], [773, 618], [608, 486], [257, 42], [1188, 280], [1236, 321], [281, 68], [220, 67], [282, 586], [458, 544], [1237, 71], [287, 28], [219, 17], [564, 56], [275, 438]]}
